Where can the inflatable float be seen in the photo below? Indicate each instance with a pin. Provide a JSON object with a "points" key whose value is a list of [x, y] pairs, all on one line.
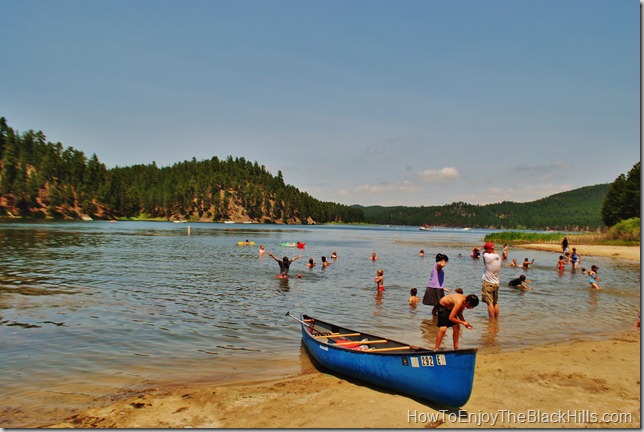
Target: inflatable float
{"points": [[298, 245]]}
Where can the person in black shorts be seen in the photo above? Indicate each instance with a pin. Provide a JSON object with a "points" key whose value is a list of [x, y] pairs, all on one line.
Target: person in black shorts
{"points": [[450, 314]]}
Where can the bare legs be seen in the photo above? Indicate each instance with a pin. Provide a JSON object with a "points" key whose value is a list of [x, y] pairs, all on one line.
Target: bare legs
{"points": [[493, 310], [441, 332]]}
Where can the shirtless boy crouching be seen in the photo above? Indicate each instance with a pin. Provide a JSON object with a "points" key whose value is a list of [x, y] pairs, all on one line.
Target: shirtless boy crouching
{"points": [[450, 314]]}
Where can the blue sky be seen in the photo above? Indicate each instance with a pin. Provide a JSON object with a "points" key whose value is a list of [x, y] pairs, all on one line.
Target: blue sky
{"points": [[406, 102]]}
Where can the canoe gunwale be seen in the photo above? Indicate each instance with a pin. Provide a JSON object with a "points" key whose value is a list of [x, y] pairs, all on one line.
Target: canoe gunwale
{"points": [[412, 350]]}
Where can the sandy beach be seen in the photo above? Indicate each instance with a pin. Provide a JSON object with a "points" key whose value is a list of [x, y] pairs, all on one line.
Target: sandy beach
{"points": [[572, 384], [631, 253]]}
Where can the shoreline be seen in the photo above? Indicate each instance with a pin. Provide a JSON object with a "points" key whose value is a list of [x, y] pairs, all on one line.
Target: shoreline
{"points": [[630, 253], [570, 384]]}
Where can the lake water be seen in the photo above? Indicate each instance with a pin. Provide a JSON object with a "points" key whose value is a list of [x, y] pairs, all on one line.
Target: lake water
{"points": [[92, 309]]}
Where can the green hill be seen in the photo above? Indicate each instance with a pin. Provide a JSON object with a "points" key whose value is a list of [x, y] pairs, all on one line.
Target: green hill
{"points": [[579, 209], [45, 180]]}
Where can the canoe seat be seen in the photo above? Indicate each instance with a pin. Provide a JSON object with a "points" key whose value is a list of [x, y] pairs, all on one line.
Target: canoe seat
{"points": [[356, 345]]}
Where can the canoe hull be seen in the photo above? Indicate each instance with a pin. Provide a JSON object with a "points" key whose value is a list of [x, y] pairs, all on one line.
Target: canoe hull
{"points": [[442, 377]]}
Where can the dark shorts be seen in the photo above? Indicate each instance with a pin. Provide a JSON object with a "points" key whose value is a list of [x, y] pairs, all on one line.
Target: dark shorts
{"points": [[443, 317], [433, 296]]}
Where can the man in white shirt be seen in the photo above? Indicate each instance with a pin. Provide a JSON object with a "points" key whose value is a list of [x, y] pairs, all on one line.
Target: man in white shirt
{"points": [[490, 289]]}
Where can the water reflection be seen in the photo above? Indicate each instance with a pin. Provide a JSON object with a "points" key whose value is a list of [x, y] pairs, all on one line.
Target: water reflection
{"points": [[489, 336], [429, 330], [378, 296]]}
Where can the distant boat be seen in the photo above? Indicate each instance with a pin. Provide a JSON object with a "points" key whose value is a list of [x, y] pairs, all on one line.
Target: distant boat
{"points": [[229, 221], [466, 229], [179, 221], [425, 227], [86, 218]]}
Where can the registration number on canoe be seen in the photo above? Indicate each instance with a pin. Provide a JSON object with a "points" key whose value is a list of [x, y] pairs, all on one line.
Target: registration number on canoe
{"points": [[438, 360]]}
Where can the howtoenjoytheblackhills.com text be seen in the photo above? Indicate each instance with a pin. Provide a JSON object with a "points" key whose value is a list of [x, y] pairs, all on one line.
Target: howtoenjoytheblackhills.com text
{"points": [[527, 418]]}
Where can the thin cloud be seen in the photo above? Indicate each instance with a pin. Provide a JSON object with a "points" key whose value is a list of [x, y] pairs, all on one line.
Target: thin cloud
{"points": [[404, 187], [443, 174]]}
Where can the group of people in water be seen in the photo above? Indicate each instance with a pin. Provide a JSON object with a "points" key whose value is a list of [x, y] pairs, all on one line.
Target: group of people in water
{"points": [[449, 308], [285, 262]]}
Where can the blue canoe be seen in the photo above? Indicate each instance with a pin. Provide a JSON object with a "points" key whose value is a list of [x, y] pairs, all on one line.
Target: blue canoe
{"points": [[444, 377]]}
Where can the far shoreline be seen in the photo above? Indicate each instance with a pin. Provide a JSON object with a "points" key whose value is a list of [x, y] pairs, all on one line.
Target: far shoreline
{"points": [[630, 253]]}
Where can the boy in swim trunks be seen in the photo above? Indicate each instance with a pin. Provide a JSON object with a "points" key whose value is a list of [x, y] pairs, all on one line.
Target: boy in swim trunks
{"points": [[450, 314]]}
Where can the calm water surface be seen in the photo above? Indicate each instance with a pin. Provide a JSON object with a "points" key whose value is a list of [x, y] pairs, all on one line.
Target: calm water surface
{"points": [[90, 309]]}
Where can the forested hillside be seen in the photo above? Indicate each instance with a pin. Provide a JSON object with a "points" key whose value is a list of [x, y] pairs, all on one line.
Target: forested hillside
{"points": [[43, 179], [46, 180], [579, 209]]}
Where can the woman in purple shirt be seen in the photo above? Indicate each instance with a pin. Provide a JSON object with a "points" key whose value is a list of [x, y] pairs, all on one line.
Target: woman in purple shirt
{"points": [[436, 284]]}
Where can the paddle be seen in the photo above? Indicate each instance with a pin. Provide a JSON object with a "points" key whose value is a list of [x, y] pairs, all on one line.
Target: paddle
{"points": [[288, 314]]}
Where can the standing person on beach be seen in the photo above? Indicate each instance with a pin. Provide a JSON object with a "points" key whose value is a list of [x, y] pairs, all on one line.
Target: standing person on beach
{"points": [[284, 263], [435, 285], [450, 314], [491, 282], [564, 245]]}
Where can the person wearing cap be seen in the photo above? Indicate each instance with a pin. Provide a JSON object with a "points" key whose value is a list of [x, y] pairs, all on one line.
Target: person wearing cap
{"points": [[593, 277], [491, 282]]}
